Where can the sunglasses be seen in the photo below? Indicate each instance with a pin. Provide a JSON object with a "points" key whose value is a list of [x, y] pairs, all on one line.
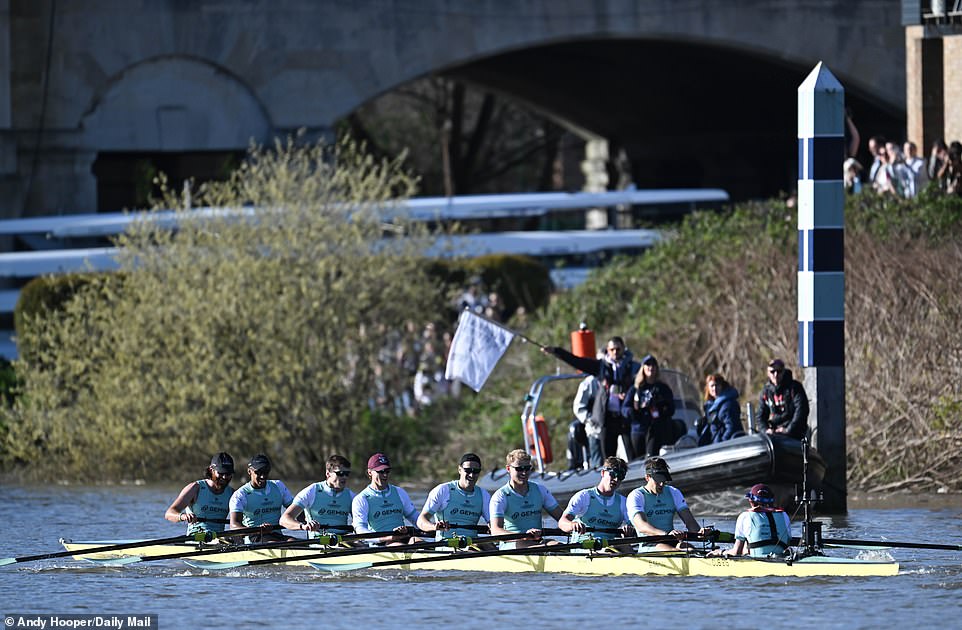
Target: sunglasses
{"points": [[342, 473], [263, 472], [615, 474], [471, 471], [386, 471], [523, 468]]}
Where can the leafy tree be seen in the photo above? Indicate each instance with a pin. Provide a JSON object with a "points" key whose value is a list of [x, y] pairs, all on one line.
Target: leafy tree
{"points": [[251, 329]]}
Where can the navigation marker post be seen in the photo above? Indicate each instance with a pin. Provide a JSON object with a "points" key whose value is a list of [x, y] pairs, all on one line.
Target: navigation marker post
{"points": [[821, 272]]}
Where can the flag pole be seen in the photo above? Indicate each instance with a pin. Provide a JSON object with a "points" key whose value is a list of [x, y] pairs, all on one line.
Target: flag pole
{"points": [[508, 328]]}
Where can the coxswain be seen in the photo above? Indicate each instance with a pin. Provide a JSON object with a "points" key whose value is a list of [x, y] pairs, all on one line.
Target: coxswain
{"points": [[762, 530]]}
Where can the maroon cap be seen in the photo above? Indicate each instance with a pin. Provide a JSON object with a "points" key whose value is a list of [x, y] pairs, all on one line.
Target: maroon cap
{"points": [[378, 461], [760, 493]]}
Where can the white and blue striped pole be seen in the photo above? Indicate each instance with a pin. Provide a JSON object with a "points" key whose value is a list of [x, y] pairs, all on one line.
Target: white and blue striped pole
{"points": [[821, 271]]}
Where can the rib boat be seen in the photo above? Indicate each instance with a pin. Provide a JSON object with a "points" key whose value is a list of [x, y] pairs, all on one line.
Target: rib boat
{"points": [[654, 563], [736, 464]]}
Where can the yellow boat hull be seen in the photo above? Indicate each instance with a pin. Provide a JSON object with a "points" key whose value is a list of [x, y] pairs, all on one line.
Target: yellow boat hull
{"points": [[576, 563]]}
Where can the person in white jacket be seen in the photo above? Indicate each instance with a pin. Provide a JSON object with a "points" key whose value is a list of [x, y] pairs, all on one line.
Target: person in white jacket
{"points": [[589, 409]]}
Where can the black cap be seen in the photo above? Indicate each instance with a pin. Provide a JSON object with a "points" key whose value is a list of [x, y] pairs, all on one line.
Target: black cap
{"points": [[222, 463], [470, 457], [259, 462], [650, 359]]}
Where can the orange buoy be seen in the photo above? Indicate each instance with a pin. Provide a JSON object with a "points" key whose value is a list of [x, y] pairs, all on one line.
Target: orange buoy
{"points": [[539, 439], [583, 342]]}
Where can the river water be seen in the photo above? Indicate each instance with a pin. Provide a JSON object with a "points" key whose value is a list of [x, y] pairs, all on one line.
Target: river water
{"points": [[926, 592]]}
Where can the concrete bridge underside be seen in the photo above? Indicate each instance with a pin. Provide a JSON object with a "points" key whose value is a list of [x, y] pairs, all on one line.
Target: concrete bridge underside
{"points": [[698, 92]]}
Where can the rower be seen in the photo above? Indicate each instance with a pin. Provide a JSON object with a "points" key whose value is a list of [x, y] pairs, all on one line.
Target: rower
{"points": [[601, 507], [516, 506], [653, 506], [203, 504], [382, 507], [763, 530], [325, 505], [260, 502], [458, 502]]}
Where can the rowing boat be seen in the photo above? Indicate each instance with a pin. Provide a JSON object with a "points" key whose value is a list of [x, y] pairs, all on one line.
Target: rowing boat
{"points": [[655, 563]]}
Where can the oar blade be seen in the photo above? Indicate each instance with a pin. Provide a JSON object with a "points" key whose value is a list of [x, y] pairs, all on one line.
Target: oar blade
{"points": [[216, 566], [335, 568], [6, 561]]}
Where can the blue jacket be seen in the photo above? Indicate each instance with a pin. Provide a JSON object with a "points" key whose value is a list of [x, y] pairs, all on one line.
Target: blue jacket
{"points": [[724, 420]]}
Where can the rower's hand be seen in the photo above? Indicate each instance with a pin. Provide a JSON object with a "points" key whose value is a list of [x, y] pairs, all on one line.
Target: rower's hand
{"points": [[534, 534], [442, 525], [677, 533], [311, 526], [578, 527], [189, 517], [627, 531]]}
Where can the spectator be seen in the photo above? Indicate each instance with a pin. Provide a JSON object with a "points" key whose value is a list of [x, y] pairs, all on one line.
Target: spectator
{"points": [[937, 158], [852, 176], [589, 410], [876, 144], [950, 175], [615, 372], [783, 404], [722, 420], [916, 165], [650, 408]]}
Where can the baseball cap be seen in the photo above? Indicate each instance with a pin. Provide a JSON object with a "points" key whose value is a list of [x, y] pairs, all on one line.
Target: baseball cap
{"points": [[649, 358], [778, 364], [378, 461], [470, 457], [222, 463], [760, 493], [259, 462], [657, 468]]}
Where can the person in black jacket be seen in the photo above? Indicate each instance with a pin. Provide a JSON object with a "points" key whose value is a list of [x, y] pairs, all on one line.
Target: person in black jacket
{"points": [[783, 403], [649, 408], [616, 372]]}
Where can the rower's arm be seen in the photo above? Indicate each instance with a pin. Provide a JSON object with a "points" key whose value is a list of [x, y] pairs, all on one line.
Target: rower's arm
{"points": [[497, 526], [175, 513], [557, 513], [690, 523], [425, 524], [643, 527], [290, 517]]}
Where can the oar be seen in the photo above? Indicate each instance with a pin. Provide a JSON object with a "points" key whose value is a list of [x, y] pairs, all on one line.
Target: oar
{"points": [[328, 540], [592, 544], [196, 537], [887, 543], [457, 541]]}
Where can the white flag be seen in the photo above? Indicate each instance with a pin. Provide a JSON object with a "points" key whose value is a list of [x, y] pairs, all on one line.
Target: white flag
{"points": [[476, 348]]}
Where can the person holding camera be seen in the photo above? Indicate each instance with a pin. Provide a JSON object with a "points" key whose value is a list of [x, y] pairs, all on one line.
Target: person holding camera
{"points": [[649, 409]]}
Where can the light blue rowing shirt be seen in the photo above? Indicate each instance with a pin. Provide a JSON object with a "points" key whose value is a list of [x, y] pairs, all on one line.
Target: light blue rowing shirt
{"points": [[209, 505], [520, 513], [377, 511], [322, 504], [448, 502], [596, 510], [264, 505]]}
